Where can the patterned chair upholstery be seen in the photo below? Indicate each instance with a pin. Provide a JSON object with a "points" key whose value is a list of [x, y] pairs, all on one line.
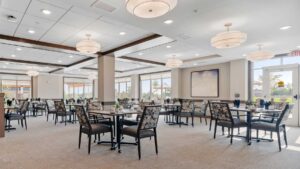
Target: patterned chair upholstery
{"points": [[50, 108], [146, 127], [224, 118], [186, 110], [200, 110], [90, 129], [61, 111]]}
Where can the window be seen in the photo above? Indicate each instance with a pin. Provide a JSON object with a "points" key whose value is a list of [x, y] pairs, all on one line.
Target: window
{"points": [[257, 71], [15, 88], [155, 86], [123, 88], [78, 88]]}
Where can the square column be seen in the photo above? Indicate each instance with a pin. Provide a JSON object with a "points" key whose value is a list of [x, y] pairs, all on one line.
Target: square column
{"points": [[106, 79], [135, 86], [176, 83]]}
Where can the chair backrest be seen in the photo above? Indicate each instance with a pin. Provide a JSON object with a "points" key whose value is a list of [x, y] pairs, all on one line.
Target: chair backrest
{"points": [[149, 117], [222, 111], [202, 108], [82, 117], [284, 115], [60, 106], [24, 107], [94, 105], [50, 105], [187, 105]]}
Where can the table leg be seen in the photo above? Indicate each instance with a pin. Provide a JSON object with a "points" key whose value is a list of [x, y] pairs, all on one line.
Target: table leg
{"points": [[249, 127], [119, 134]]}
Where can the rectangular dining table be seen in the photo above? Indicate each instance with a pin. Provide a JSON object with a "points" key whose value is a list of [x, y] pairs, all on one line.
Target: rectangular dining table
{"points": [[117, 116], [249, 114]]}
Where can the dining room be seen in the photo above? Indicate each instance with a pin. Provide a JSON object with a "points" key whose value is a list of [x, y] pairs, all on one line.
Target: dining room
{"points": [[149, 84]]}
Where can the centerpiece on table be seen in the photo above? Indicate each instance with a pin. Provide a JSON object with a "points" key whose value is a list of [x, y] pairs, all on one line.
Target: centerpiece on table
{"points": [[237, 101]]}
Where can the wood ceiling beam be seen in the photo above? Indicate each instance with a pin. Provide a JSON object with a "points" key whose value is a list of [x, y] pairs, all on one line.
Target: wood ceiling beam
{"points": [[143, 60], [35, 42], [154, 36], [31, 62]]}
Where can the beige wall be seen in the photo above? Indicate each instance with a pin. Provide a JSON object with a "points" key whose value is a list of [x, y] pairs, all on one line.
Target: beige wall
{"points": [[224, 80]]}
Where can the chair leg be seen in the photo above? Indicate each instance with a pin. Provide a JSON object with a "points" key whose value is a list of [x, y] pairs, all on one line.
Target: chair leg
{"points": [[205, 120], [79, 142], [231, 135], [279, 143], [139, 148], [89, 148], [215, 129], [210, 124], [111, 137], [47, 116], [25, 123], [271, 135], [65, 119], [222, 130], [155, 140], [55, 119], [284, 134]]}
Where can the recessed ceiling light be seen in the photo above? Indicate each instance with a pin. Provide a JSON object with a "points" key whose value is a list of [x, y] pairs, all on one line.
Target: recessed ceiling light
{"points": [[6, 63], [59, 61], [195, 64], [31, 31], [13, 55], [298, 46], [285, 27], [46, 11], [4, 67], [122, 33], [244, 55], [168, 22], [140, 54], [19, 49], [168, 46], [71, 56], [197, 54]]}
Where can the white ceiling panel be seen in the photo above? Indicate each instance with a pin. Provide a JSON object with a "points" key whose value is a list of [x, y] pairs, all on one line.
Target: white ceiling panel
{"points": [[36, 7], [15, 5], [59, 33]]}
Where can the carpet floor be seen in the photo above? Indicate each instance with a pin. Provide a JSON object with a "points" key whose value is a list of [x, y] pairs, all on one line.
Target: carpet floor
{"points": [[46, 146]]}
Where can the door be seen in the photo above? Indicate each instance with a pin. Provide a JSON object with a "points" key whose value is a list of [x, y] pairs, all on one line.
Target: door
{"points": [[286, 90]]}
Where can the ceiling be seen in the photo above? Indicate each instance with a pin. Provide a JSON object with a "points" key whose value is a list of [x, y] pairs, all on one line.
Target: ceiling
{"points": [[195, 23]]}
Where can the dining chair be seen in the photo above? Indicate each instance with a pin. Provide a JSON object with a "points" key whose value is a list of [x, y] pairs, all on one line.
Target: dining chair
{"points": [[213, 116], [146, 127], [61, 111], [19, 115], [225, 119], [50, 108], [200, 111], [88, 128], [187, 111], [278, 126]]}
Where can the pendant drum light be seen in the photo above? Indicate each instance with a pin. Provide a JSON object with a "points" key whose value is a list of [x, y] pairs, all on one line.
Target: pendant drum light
{"points": [[32, 73], [88, 46], [173, 63], [228, 39], [150, 8], [259, 55]]}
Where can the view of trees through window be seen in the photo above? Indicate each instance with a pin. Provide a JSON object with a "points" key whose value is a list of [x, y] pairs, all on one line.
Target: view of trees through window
{"points": [[78, 88], [273, 78], [123, 87], [155, 86], [18, 89]]}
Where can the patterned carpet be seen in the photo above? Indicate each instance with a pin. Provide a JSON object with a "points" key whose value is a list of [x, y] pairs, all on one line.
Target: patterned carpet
{"points": [[46, 146]]}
